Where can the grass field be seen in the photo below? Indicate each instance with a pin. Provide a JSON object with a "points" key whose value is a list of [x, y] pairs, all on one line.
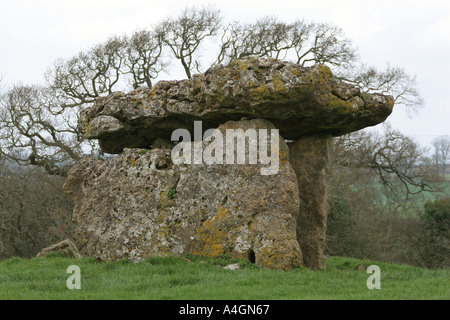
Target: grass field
{"points": [[175, 278]]}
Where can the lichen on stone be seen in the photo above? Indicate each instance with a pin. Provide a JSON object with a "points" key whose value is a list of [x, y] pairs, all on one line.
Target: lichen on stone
{"points": [[140, 203]]}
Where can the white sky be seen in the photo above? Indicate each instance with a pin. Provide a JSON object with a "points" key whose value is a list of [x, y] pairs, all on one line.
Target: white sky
{"points": [[413, 34]]}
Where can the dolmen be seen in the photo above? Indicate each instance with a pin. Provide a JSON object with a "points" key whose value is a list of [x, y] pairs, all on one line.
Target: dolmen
{"points": [[232, 162]]}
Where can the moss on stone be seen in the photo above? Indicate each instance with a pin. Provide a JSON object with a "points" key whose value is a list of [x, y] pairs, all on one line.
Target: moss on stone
{"points": [[343, 106]]}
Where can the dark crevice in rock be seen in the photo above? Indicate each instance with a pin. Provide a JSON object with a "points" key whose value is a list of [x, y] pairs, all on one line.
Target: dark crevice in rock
{"points": [[251, 256]]}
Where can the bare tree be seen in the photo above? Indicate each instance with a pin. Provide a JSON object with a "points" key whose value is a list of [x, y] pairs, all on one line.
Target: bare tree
{"points": [[88, 75], [37, 130], [324, 44], [375, 196], [441, 154], [304, 43], [393, 81], [1, 83], [401, 157], [34, 212], [143, 57], [308, 43], [267, 37], [184, 34], [38, 125], [397, 160]]}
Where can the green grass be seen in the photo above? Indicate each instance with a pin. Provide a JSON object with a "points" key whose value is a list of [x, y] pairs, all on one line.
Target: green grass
{"points": [[205, 279]]}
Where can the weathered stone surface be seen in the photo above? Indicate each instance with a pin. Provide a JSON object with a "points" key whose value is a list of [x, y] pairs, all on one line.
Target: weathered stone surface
{"points": [[141, 203], [298, 100], [310, 159], [66, 248]]}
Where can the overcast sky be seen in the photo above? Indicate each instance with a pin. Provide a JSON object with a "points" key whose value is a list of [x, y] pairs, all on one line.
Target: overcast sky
{"points": [[411, 34]]}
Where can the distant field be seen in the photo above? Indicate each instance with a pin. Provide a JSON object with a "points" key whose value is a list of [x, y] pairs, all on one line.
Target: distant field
{"points": [[174, 278], [419, 199]]}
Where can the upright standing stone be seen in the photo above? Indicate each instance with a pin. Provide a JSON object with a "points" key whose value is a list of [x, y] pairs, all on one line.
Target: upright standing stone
{"points": [[141, 203], [309, 157]]}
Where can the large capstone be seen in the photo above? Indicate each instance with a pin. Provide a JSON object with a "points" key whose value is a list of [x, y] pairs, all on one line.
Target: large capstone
{"points": [[298, 100]]}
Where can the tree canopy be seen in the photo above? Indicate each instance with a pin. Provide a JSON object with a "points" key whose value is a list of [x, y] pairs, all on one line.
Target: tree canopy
{"points": [[38, 124]]}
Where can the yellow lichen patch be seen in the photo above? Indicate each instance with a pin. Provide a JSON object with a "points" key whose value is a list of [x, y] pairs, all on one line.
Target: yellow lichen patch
{"points": [[134, 162], [325, 72], [283, 158], [261, 92], [238, 67], [219, 83], [266, 257], [213, 235], [315, 83], [243, 64], [133, 101], [152, 92], [341, 105], [278, 85], [390, 102], [165, 200], [280, 256], [144, 103], [87, 128]]}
